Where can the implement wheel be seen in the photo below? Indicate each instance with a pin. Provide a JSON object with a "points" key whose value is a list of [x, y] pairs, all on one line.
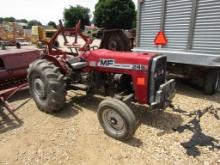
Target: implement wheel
{"points": [[117, 119], [47, 86]]}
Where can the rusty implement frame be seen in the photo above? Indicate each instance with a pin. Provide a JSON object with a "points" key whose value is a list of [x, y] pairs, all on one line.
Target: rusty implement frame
{"points": [[6, 94], [75, 32]]}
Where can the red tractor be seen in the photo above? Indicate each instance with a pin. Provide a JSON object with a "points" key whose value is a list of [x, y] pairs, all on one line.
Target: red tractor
{"points": [[126, 77]]}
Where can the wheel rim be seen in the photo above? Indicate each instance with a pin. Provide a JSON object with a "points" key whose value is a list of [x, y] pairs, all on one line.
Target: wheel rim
{"points": [[114, 121], [39, 88]]}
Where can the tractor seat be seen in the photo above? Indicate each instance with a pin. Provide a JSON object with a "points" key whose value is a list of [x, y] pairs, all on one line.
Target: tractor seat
{"points": [[77, 63]]}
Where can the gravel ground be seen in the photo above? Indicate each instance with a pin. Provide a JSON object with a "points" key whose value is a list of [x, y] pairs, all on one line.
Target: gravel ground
{"points": [[74, 136]]}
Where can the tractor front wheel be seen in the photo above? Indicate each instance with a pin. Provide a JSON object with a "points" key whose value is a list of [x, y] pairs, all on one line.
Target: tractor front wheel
{"points": [[117, 119], [47, 85]]}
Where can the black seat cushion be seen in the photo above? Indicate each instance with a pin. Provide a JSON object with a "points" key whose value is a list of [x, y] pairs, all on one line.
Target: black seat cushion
{"points": [[77, 63]]}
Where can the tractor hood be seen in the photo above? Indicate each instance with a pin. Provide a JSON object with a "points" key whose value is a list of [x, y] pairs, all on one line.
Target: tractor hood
{"points": [[119, 60]]}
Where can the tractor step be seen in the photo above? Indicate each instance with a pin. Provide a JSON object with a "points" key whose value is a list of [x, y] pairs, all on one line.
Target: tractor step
{"points": [[79, 87]]}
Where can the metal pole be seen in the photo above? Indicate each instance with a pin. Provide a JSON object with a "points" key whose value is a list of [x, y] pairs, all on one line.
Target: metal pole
{"points": [[192, 24]]}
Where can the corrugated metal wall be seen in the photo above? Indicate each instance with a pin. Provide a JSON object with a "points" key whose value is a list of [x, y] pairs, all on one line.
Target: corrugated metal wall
{"points": [[149, 22], [178, 17], [177, 23], [207, 27]]}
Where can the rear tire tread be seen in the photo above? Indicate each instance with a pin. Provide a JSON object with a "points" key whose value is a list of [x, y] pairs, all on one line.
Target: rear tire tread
{"points": [[56, 87]]}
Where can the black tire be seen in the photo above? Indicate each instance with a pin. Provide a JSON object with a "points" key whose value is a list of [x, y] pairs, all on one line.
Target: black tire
{"points": [[40, 45], [116, 43], [56, 44], [18, 45], [211, 82], [124, 112], [3, 47], [116, 40], [47, 86]]}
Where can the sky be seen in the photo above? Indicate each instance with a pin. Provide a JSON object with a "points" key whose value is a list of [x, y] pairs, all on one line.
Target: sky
{"points": [[42, 10]]}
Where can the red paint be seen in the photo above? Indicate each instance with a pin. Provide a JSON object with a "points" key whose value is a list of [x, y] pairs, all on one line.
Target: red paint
{"points": [[16, 63], [141, 90], [140, 78]]}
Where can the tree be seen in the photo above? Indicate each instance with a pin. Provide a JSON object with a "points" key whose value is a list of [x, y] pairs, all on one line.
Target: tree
{"points": [[52, 24], [115, 14], [33, 23], [73, 14], [22, 20], [1, 20], [9, 19], [134, 24]]}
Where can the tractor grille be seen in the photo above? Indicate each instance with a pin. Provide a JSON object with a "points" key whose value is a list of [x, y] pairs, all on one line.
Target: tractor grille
{"points": [[157, 75]]}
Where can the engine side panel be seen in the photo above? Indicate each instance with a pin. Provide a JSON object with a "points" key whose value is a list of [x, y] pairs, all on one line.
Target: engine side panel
{"points": [[134, 64]]}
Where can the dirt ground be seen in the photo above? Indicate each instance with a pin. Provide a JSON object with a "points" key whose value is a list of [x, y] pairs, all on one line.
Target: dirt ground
{"points": [[74, 136]]}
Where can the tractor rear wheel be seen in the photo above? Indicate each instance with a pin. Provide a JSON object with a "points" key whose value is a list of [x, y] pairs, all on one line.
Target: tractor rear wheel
{"points": [[115, 40], [117, 119], [47, 85]]}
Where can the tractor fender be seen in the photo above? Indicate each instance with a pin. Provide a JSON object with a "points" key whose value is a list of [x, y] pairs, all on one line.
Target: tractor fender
{"points": [[57, 63]]}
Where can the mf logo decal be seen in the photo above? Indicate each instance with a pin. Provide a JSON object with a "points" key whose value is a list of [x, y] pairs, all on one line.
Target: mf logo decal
{"points": [[106, 62], [110, 63]]}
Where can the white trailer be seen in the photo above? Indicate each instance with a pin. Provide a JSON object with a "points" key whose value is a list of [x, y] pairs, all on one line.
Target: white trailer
{"points": [[192, 29]]}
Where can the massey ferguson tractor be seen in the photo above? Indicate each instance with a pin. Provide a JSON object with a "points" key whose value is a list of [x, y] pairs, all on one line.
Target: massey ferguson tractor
{"points": [[125, 77]]}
